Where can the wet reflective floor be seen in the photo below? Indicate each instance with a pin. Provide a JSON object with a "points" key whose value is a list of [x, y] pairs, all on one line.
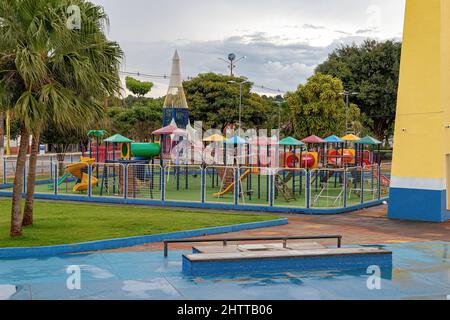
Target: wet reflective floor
{"points": [[421, 271]]}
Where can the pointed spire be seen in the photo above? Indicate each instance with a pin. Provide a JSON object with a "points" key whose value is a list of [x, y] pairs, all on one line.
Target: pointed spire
{"points": [[175, 94]]}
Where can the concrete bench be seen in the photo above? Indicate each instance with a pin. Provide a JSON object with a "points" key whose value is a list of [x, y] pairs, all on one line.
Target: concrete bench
{"points": [[272, 258]]}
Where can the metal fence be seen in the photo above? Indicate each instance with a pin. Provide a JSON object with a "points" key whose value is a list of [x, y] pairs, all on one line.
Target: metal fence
{"points": [[327, 188], [323, 188]]}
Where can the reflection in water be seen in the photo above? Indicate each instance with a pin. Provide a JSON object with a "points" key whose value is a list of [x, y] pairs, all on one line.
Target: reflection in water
{"points": [[7, 291]]}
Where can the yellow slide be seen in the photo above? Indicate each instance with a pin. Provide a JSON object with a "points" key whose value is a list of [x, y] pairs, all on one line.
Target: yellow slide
{"points": [[75, 169], [230, 187]]}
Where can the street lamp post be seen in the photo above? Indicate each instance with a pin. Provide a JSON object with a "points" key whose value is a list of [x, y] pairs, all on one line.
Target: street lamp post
{"points": [[232, 61], [347, 95], [240, 101]]}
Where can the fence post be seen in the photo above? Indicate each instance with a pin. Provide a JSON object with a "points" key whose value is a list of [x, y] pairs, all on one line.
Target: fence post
{"points": [[236, 186], [271, 187], [55, 177], [89, 181], [5, 180], [308, 189], [362, 185], [379, 181], [203, 184], [125, 181], [345, 187], [163, 184]]}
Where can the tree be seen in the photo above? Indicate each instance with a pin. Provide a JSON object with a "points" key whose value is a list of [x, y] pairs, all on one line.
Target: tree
{"points": [[60, 140], [318, 108], [139, 88], [137, 121], [61, 75], [372, 70], [213, 100]]}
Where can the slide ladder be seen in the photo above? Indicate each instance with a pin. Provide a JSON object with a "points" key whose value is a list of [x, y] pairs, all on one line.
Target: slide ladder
{"points": [[228, 181], [281, 185]]}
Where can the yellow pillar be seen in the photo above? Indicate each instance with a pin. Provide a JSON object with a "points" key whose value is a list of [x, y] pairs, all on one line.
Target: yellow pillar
{"points": [[422, 132]]}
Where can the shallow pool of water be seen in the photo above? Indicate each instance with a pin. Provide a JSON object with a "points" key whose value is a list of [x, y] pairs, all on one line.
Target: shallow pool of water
{"points": [[421, 270]]}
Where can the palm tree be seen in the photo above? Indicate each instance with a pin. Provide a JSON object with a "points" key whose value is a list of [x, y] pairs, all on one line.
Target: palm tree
{"points": [[65, 75]]}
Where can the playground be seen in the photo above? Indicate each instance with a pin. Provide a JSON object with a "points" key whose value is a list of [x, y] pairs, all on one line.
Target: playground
{"points": [[320, 174]]}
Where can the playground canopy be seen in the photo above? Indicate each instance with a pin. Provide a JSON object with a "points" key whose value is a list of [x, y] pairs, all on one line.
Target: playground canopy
{"points": [[180, 133], [165, 131], [235, 140], [313, 139], [215, 138], [369, 141], [334, 139], [117, 138], [351, 138], [290, 141]]}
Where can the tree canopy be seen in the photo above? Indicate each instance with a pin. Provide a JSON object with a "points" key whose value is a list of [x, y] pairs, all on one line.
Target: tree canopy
{"points": [[136, 118], [371, 70], [139, 88], [318, 108], [215, 101]]}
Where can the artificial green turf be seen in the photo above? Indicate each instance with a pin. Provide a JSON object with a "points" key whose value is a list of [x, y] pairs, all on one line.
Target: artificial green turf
{"points": [[62, 223]]}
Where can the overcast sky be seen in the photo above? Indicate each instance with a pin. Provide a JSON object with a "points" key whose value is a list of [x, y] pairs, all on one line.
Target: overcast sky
{"points": [[283, 39]]}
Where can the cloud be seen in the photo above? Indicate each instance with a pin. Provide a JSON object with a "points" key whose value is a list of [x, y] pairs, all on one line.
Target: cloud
{"points": [[269, 63]]}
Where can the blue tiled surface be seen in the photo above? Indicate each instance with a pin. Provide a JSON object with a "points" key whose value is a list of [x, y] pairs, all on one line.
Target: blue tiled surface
{"points": [[420, 270]]}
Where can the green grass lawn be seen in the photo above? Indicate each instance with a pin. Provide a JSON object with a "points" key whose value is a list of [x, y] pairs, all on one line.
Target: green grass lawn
{"points": [[63, 223]]}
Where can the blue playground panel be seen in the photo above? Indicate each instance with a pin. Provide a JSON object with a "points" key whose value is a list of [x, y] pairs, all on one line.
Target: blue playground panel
{"points": [[420, 270]]}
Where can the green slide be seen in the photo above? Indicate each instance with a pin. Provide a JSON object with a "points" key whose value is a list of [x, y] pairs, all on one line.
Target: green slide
{"points": [[60, 180]]}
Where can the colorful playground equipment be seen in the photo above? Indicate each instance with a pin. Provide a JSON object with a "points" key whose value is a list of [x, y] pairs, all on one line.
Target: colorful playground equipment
{"points": [[79, 171]]}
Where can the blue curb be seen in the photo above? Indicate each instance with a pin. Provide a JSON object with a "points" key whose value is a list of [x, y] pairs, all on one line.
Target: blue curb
{"points": [[19, 253]]}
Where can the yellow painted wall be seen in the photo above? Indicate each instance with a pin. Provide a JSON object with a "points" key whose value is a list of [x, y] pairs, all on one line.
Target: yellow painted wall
{"points": [[421, 141]]}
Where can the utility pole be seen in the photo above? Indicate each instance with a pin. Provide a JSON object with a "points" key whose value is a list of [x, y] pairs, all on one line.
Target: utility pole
{"points": [[240, 102]]}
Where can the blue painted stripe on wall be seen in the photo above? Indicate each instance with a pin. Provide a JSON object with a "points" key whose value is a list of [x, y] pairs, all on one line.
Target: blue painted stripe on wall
{"points": [[418, 205], [245, 266], [14, 253], [198, 205]]}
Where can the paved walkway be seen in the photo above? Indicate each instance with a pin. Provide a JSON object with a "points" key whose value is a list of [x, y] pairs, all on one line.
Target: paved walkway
{"points": [[369, 226]]}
